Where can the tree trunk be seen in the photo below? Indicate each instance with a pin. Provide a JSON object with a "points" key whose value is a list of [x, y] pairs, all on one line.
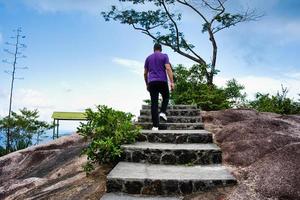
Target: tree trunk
{"points": [[210, 79], [214, 56]]}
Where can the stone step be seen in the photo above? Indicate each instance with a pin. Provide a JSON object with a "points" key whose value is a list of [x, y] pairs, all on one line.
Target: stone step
{"points": [[175, 112], [172, 119], [138, 178], [172, 126], [171, 154], [176, 136], [173, 106], [122, 196]]}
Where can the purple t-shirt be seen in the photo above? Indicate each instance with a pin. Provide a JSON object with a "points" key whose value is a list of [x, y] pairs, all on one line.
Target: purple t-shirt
{"points": [[155, 64]]}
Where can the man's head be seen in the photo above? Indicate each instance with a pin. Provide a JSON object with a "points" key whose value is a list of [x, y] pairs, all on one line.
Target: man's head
{"points": [[157, 47]]}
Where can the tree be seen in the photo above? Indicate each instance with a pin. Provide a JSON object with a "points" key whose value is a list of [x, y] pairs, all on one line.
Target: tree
{"points": [[191, 89], [162, 25], [234, 92], [278, 103], [23, 127], [16, 54]]}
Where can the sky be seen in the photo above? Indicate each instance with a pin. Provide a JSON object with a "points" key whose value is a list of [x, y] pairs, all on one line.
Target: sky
{"points": [[76, 60]]}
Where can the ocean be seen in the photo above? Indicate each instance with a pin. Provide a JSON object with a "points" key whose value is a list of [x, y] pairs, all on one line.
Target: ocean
{"points": [[43, 138]]}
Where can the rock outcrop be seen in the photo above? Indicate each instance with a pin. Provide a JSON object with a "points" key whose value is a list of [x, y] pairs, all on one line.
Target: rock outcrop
{"points": [[261, 149], [50, 171]]}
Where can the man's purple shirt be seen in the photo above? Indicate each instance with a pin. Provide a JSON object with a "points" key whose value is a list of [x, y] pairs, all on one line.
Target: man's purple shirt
{"points": [[155, 64]]}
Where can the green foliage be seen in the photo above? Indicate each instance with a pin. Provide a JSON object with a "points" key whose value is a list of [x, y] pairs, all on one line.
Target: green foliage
{"points": [[23, 127], [191, 88], [151, 19], [224, 20], [107, 130], [233, 92], [162, 23], [278, 103], [147, 101], [165, 21]]}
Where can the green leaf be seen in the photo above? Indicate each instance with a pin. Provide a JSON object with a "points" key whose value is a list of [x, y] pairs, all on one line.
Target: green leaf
{"points": [[107, 129]]}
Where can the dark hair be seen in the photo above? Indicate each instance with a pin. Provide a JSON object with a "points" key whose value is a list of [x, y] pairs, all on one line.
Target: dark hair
{"points": [[157, 47]]}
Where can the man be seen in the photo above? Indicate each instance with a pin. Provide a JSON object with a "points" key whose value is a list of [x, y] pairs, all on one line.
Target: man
{"points": [[157, 68]]}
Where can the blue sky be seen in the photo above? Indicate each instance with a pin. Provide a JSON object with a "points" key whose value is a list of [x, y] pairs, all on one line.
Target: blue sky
{"points": [[77, 60]]}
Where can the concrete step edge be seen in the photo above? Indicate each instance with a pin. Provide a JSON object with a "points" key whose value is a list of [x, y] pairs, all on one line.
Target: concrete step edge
{"points": [[172, 106], [123, 196], [176, 131], [137, 171], [170, 146], [168, 123], [172, 116], [175, 110]]}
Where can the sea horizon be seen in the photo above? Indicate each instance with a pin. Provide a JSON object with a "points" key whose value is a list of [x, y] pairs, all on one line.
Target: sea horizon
{"points": [[44, 138]]}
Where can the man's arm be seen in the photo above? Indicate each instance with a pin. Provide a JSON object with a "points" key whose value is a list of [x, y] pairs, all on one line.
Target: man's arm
{"points": [[146, 76], [170, 75]]}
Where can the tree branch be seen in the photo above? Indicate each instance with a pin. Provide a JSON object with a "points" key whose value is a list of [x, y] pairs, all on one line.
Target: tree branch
{"points": [[247, 16], [174, 23], [147, 32], [221, 11], [177, 35], [183, 2], [210, 6], [190, 49]]}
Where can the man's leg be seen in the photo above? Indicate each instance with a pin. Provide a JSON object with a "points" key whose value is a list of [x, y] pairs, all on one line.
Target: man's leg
{"points": [[154, 92], [164, 90]]}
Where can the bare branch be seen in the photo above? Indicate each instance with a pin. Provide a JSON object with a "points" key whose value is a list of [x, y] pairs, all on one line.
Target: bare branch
{"points": [[174, 23], [221, 11], [216, 20], [222, 4], [191, 50], [9, 52], [211, 7], [8, 72], [184, 2], [7, 62], [139, 29], [22, 68], [148, 33]]}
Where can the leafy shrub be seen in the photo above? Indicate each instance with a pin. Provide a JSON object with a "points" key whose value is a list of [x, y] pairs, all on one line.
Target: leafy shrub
{"points": [[191, 88], [147, 101], [107, 130], [278, 103], [23, 127], [233, 93]]}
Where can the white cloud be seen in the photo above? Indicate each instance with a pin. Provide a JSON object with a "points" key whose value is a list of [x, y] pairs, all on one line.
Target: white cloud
{"points": [[286, 30], [29, 98], [262, 84], [66, 87], [127, 97], [1, 38], [293, 75], [281, 30], [133, 65]]}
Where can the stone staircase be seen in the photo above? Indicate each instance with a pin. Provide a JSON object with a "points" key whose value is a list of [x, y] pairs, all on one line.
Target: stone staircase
{"points": [[167, 164]]}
